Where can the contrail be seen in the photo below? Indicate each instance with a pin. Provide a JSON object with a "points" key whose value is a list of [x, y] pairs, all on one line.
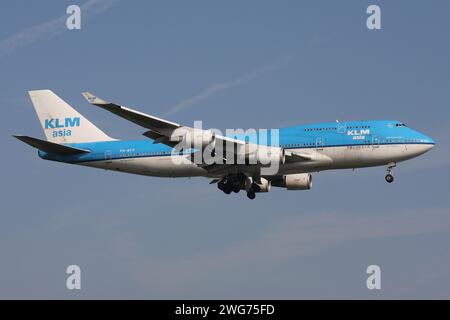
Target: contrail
{"points": [[50, 28], [222, 86]]}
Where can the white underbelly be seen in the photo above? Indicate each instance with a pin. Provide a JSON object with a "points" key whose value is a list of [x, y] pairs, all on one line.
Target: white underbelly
{"points": [[164, 166], [342, 157], [345, 157]]}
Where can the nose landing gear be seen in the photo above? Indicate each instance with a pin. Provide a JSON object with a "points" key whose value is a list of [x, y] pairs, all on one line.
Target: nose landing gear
{"points": [[389, 177]]}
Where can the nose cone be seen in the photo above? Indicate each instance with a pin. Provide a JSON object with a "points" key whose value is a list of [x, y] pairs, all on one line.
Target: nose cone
{"points": [[419, 137], [425, 144], [430, 143], [428, 147]]}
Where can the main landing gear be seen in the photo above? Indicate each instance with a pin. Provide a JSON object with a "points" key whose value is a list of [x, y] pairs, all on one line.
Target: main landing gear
{"points": [[389, 177], [230, 184], [235, 183]]}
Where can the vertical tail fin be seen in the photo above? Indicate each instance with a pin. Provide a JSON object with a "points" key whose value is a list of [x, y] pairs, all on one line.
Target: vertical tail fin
{"points": [[61, 122]]}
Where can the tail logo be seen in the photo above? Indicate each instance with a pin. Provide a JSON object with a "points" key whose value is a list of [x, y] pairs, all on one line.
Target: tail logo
{"points": [[59, 126]]}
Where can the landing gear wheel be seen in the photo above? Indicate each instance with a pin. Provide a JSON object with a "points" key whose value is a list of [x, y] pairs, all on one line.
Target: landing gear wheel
{"points": [[225, 186], [236, 188], [251, 195], [389, 178], [226, 189]]}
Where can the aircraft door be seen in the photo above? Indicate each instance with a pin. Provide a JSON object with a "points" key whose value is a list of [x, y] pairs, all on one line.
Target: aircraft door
{"points": [[341, 127], [319, 143], [108, 156], [375, 141]]}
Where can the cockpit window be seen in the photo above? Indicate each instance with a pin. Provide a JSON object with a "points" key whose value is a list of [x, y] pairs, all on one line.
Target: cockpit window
{"points": [[400, 125]]}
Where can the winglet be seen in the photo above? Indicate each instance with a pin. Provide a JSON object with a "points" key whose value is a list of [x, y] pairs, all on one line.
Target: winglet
{"points": [[92, 99]]}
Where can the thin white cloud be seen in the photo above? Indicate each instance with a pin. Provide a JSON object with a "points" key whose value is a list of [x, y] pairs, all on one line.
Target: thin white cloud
{"points": [[222, 86], [51, 28], [292, 237]]}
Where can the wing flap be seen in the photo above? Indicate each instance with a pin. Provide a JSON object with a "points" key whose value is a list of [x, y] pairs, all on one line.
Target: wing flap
{"points": [[316, 157], [159, 138]]}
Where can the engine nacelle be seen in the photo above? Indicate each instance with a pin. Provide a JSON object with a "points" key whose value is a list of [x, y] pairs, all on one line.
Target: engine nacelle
{"points": [[299, 181], [198, 139], [264, 186], [266, 156]]}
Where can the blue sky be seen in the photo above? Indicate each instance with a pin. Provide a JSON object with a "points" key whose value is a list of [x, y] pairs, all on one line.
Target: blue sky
{"points": [[232, 64]]}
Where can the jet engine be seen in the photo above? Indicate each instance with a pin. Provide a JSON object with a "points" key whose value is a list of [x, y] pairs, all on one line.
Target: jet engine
{"points": [[198, 139], [299, 181], [266, 156], [263, 186]]}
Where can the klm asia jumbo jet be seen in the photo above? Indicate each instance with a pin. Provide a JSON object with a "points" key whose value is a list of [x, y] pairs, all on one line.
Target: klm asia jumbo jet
{"points": [[250, 161]]}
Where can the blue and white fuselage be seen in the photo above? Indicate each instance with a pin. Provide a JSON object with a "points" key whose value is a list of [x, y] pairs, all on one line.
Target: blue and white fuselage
{"points": [[297, 150], [348, 145]]}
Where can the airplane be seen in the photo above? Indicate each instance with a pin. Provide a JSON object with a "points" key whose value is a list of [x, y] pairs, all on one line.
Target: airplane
{"points": [[173, 150]]}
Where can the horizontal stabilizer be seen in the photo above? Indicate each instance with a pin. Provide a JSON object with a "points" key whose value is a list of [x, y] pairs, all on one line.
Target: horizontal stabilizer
{"points": [[50, 147]]}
